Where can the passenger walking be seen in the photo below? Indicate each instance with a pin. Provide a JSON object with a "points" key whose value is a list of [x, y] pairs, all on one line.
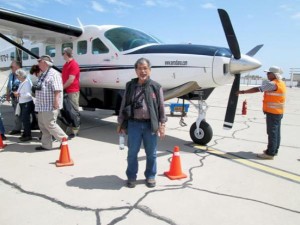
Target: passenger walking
{"points": [[23, 94], [144, 100], [48, 93], [70, 77], [273, 107], [13, 85], [36, 71]]}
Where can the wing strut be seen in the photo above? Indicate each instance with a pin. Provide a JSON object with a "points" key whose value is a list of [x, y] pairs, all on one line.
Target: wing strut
{"points": [[24, 49]]}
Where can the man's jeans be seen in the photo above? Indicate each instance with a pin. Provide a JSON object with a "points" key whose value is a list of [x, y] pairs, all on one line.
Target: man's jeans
{"points": [[137, 132], [273, 131]]}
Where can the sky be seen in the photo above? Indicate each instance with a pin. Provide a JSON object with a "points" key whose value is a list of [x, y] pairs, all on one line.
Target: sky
{"points": [[274, 23]]}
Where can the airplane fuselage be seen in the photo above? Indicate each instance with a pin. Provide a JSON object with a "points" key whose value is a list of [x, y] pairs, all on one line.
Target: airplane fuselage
{"points": [[107, 61]]}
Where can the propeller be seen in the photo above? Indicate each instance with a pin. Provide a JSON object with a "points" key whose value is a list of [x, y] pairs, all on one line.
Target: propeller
{"points": [[235, 49]]}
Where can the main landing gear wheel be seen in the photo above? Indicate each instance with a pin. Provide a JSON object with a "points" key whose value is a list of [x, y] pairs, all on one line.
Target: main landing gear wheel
{"points": [[205, 133]]}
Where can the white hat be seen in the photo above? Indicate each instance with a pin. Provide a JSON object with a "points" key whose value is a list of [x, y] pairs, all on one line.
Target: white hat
{"points": [[277, 71], [47, 59]]}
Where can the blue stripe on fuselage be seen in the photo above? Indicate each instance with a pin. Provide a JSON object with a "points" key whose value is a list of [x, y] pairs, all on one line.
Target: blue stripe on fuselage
{"points": [[90, 68], [184, 49]]}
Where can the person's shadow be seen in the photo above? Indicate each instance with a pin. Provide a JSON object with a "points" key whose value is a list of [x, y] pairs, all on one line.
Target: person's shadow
{"points": [[243, 155], [108, 182]]}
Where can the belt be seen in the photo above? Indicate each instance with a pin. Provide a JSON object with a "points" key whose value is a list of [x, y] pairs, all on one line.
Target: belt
{"points": [[141, 120]]}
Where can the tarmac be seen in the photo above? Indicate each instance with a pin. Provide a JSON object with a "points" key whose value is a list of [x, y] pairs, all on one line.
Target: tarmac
{"points": [[226, 183]]}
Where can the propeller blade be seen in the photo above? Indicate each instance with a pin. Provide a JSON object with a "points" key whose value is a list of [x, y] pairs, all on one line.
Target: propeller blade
{"points": [[229, 33], [232, 103]]}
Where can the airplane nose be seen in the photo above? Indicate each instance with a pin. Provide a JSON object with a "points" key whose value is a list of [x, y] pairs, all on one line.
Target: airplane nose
{"points": [[244, 64]]}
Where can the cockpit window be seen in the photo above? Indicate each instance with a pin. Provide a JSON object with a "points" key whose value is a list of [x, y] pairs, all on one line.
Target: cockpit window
{"points": [[224, 52], [125, 38]]}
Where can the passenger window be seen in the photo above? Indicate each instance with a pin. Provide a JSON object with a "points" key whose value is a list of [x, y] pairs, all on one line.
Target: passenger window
{"points": [[25, 56], [81, 47], [50, 50], [12, 56], [66, 45], [98, 47], [35, 51]]}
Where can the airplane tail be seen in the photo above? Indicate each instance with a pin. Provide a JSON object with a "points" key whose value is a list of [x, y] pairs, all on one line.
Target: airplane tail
{"points": [[254, 50]]}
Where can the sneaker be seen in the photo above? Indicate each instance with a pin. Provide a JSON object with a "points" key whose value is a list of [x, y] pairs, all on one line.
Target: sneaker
{"points": [[24, 138], [265, 152], [13, 132], [131, 183], [150, 182], [3, 137], [265, 156]]}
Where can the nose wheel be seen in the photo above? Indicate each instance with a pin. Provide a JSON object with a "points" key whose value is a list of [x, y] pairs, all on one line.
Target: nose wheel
{"points": [[203, 134]]}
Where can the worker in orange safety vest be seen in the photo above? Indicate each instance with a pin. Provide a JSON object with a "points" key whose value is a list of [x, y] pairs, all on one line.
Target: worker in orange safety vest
{"points": [[273, 107]]}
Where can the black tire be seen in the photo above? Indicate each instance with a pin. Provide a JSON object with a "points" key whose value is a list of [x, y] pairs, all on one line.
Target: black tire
{"points": [[205, 136]]}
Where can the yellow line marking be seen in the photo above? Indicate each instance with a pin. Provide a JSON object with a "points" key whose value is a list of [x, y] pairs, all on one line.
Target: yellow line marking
{"points": [[252, 164]]}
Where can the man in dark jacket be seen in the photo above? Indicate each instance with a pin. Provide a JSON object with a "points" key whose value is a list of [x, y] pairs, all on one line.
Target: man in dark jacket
{"points": [[146, 122]]}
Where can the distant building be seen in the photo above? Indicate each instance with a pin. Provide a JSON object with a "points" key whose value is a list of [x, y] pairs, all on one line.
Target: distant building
{"points": [[295, 75]]}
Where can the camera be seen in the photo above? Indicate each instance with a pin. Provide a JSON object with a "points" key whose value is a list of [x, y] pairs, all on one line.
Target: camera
{"points": [[36, 87], [138, 104], [14, 88]]}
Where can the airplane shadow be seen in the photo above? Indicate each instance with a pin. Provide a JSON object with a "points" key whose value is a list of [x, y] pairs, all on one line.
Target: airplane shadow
{"points": [[95, 125], [101, 130], [99, 125]]}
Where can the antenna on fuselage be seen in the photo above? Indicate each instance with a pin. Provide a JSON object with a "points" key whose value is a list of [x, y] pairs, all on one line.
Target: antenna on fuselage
{"points": [[80, 24]]}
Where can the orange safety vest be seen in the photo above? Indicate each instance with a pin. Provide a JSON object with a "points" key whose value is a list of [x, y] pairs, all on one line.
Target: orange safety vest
{"points": [[274, 100]]}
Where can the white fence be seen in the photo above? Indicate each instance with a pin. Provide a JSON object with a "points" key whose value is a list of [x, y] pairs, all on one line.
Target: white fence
{"points": [[258, 82]]}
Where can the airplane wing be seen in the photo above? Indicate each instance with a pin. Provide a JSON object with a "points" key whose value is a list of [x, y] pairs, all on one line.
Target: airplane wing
{"points": [[36, 29]]}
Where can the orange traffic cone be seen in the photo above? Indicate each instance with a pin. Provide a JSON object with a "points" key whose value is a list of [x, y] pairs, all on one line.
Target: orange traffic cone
{"points": [[64, 158], [2, 146], [175, 167]]}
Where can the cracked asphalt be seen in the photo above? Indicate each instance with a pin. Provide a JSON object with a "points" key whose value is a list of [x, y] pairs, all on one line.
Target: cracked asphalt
{"points": [[226, 183]]}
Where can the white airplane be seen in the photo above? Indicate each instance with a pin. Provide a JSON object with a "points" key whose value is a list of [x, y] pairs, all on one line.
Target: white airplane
{"points": [[106, 55]]}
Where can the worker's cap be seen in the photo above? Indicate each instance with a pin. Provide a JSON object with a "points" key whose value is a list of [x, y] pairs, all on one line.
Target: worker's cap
{"points": [[277, 71], [47, 59]]}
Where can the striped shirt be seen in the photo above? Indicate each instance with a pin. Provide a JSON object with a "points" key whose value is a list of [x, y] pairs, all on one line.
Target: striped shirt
{"points": [[268, 86], [45, 97]]}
